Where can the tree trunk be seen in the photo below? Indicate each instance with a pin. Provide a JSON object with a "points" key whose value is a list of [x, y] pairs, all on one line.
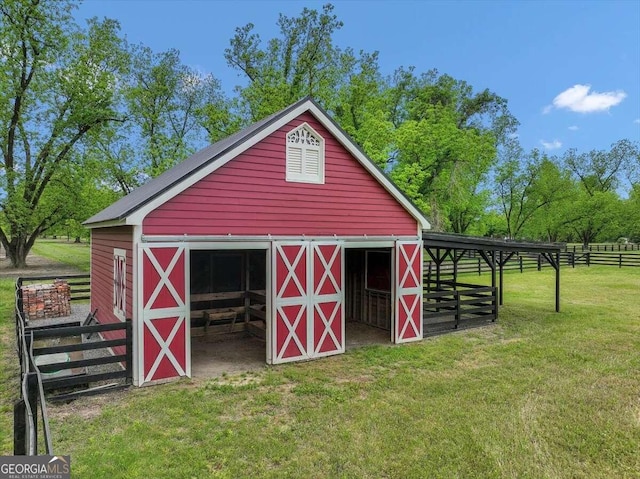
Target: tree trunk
{"points": [[17, 251]]}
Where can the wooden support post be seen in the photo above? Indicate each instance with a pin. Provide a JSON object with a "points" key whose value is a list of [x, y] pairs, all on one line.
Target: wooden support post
{"points": [[247, 287], [438, 264], [129, 350], [557, 282], [620, 261], [539, 262], [501, 266], [456, 295], [493, 280], [520, 258], [479, 267]]}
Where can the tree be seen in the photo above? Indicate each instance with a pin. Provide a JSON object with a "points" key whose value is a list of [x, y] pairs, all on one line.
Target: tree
{"points": [[446, 141], [526, 185], [302, 61], [166, 107], [57, 89], [596, 210]]}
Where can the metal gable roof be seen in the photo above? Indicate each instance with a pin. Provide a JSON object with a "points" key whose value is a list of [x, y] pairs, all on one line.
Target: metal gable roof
{"points": [[118, 212]]}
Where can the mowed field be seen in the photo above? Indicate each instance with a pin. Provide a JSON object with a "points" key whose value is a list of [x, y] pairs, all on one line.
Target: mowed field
{"points": [[537, 395]]}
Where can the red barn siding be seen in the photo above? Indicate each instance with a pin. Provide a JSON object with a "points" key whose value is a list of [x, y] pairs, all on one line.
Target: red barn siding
{"points": [[249, 196], [103, 242]]}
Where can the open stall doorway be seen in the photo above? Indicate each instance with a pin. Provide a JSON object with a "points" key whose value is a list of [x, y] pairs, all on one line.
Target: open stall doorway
{"points": [[368, 296], [228, 310]]}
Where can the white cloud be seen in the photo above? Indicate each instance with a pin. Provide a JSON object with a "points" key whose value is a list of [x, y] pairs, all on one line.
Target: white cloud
{"points": [[551, 145], [580, 99], [637, 121], [574, 128]]}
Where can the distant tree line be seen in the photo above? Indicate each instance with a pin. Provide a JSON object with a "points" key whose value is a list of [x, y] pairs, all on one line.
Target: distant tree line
{"points": [[85, 117]]}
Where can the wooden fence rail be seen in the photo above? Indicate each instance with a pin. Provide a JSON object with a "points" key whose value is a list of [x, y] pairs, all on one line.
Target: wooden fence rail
{"points": [[445, 308], [523, 262], [58, 359]]}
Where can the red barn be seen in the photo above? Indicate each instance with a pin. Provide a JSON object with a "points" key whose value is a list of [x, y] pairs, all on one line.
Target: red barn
{"points": [[284, 229]]}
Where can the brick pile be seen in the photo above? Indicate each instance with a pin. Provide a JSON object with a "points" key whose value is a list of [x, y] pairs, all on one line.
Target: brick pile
{"points": [[40, 301]]}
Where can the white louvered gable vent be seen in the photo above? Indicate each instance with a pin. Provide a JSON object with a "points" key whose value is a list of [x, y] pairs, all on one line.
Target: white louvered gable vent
{"points": [[305, 155]]}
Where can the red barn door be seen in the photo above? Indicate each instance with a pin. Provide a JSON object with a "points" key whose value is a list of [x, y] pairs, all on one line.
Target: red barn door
{"points": [[408, 298], [328, 299], [290, 301], [163, 334], [308, 304]]}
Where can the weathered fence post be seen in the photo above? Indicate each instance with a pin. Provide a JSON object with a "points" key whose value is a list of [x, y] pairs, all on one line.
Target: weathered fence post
{"points": [[620, 260], [32, 399], [588, 253], [19, 428], [539, 262], [520, 258], [129, 351]]}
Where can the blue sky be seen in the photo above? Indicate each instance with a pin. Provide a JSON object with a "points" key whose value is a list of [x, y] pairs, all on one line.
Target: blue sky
{"points": [[570, 70]]}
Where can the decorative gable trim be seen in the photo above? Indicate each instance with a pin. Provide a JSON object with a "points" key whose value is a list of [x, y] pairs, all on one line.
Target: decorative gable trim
{"points": [[305, 155]]}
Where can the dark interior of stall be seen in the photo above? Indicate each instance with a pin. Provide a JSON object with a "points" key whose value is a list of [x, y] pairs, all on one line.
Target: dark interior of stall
{"points": [[228, 293], [367, 293]]}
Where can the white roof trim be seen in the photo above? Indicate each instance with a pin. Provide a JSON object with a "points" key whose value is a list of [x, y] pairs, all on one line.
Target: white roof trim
{"points": [[107, 224], [138, 216]]}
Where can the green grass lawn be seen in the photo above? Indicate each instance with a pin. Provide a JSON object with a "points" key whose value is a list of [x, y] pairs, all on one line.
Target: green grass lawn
{"points": [[73, 254], [538, 395]]}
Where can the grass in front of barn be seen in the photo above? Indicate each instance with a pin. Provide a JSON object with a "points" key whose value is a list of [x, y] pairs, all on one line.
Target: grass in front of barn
{"points": [[63, 251], [539, 394]]}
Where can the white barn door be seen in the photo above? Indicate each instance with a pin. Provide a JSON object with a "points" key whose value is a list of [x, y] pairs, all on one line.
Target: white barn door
{"points": [[408, 291], [163, 319]]}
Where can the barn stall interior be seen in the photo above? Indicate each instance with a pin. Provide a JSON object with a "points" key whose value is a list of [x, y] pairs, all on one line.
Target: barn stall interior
{"points": [[228, 309], [368, 302]]}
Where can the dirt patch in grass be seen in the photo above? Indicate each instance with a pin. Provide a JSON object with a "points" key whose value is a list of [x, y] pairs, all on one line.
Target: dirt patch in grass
{"points": [[36, 266]]}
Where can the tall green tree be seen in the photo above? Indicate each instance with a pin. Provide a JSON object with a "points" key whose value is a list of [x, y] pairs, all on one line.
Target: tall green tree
{"points": [[447, 138], [57, 89], [164, 105], [596, 210], [302, 61], [527, 186]]}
